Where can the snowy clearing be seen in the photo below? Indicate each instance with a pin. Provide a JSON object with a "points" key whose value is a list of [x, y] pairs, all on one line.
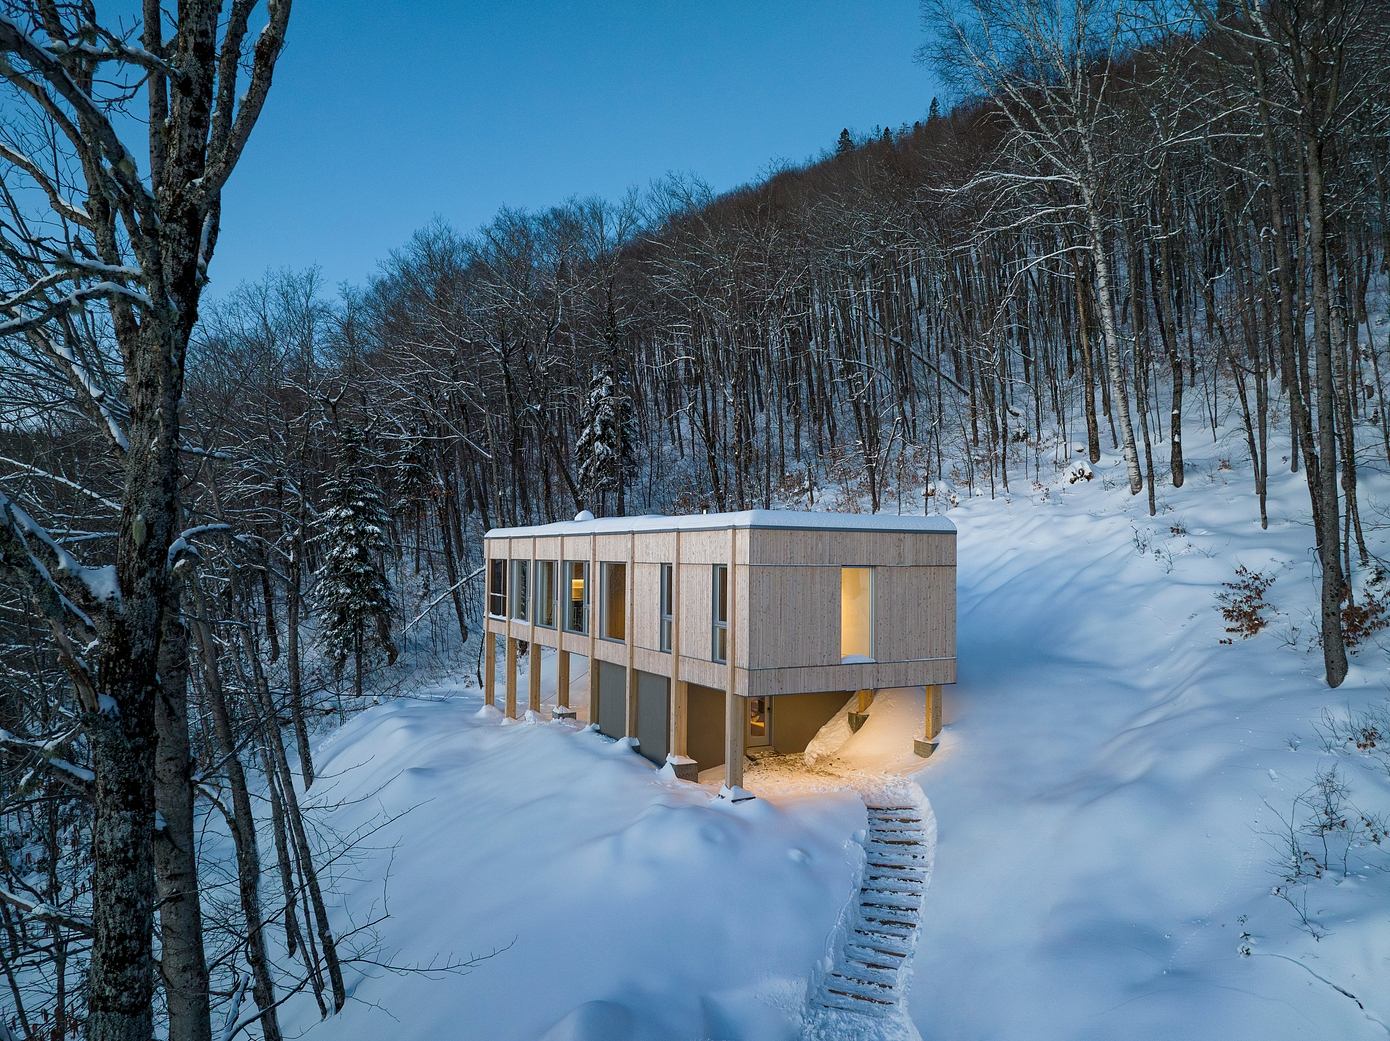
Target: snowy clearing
{"points": [[1107, 796]]}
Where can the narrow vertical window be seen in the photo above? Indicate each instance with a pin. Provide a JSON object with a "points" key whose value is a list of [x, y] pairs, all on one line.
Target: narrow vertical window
{"points": [[856, 614], [719, 649], [497, 588], [577, 596], [668, 613], [614, 595], [521, 581], [545, 593]]}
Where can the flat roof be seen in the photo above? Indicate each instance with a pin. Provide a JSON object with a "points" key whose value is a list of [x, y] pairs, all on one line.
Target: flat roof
{"points": [[769, 519]]}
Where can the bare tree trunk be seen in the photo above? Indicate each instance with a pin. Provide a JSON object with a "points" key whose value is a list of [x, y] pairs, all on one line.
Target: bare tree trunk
{"points": [[182, 962]]}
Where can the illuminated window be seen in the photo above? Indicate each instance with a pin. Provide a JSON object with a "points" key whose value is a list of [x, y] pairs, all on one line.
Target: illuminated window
{"points": [[577, 596], [668, 614], [720, 604], [545, 593], [856, 614], [497, 588], [614, 601]]}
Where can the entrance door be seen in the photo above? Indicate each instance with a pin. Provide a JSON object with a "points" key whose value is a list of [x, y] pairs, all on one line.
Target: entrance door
{"points": [[759, 722]]}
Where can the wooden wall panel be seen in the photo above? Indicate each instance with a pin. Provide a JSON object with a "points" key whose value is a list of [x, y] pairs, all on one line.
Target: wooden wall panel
{"points": [[693, 612], [705, 547], [611, 547], [646, 606], [873, 676], [914, 613], [655, 547], [548, 548], [795, 616]]}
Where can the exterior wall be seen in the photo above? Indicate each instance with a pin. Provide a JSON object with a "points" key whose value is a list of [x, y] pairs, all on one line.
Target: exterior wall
{"points": [[705, 735], [653, 716], [784, 606], [796, 719], [612, 700]]}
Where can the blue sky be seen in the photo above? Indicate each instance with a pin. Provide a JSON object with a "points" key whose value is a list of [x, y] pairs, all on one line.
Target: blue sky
{"points": [[385, 115]]}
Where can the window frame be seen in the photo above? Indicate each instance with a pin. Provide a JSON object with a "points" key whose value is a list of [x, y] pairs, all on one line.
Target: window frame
{"points": [[606, 568], [540, 601], [666, 609], [719, 627], [494, 594], [520, 590], [567, 589], [872, 656]]}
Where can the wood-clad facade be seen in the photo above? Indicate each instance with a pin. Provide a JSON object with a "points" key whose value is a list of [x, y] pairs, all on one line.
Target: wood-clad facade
{"points": [[745, 604]]}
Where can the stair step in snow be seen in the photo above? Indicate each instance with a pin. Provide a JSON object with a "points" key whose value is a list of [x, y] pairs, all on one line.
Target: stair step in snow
{"points": [[886, 944], [852, 1005], [892, 925], [890, 933], [873, 956], [869, 972], [904, 853], [913, 871], [860, 987], [887, 884], [889, 901]]}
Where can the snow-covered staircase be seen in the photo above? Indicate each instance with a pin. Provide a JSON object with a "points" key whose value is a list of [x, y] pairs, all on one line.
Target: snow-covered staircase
{"points": [[867, 978]]}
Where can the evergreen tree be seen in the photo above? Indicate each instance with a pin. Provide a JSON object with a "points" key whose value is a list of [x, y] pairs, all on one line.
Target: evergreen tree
{"points": [[934, 113], [846, 143], [354, 596], [605, 443], [887, 137]]}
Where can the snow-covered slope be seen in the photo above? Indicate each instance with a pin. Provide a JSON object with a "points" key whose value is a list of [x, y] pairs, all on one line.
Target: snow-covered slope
{"points": [[620, 906], [1113, 781], [1108, 794]]}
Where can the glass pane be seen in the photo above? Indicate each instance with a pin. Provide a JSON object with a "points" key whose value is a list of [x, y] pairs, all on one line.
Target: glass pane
{"points": [[856, 613], [545, 593], [614, 601], [757, 720], [520, 590], [721, 593], [497, 589], [577, 593]]}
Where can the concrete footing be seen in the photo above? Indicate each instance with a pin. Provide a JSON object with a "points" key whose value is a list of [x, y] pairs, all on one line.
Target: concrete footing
{"points": [[562, 712], [924, 748], [684, 768], [857, 720]]}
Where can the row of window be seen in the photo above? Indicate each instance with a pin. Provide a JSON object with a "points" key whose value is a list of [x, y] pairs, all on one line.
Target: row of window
{"points": [[510, 589], [569, 600]]}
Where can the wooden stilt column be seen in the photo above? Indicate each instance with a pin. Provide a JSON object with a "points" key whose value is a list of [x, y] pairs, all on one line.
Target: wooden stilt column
{"points": [[629, 637], [735, 707], [489, 668], [562, 686], [511, 677], [862, 700], [925, 746], [591, 618], [678, 753], [735, 733], [533, 677]]}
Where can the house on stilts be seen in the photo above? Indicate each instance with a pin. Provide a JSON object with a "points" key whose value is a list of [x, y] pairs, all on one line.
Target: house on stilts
{"points": [[712, 636]]}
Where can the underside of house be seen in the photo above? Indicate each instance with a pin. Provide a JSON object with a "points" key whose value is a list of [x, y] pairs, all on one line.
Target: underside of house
{"points": [[712, 636]]}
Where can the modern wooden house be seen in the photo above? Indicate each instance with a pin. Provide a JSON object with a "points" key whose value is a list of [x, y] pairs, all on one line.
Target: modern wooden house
{"points": [[712, 635]]}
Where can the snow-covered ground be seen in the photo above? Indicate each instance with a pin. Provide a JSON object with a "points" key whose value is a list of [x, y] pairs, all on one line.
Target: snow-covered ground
{"points": [[1107, 795]]}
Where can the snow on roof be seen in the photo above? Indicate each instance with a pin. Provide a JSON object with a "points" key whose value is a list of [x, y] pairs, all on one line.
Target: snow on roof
{"points": [[777, 519]]}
